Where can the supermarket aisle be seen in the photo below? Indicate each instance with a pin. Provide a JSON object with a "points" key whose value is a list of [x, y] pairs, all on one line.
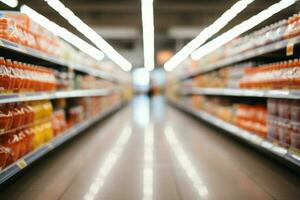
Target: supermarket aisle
{"points": [[152, 151]]}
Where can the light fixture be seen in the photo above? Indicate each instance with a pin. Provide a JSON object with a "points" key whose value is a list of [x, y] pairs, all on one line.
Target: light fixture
{"points": [[148, 34], [10, 3], [62, 32], [241, 28], [89, 33], [208, 32]]}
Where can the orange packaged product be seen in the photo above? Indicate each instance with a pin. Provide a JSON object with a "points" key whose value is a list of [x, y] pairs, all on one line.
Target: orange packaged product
{"points": [[8, 30], [5, 77], [6, 118], [13, 78], [12, 142], [22, 143], [18, 72], [29, 114], [29, 139], [18, 116], [4, 153]]}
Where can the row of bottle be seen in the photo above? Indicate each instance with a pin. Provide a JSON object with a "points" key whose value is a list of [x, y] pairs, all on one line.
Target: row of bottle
{"points": [[284, 74], [278, 75], [252, 118], [18, 28], [281, 30], [278, 121], [17, 76], [293, 28]]}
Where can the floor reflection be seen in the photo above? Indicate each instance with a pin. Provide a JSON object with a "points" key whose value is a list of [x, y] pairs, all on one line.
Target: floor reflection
{"points": [[141, 110], [185, 162], [108, 164], [148, 162]]}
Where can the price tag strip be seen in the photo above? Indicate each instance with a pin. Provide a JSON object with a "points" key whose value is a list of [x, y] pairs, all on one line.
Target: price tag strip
{"points": [[21, 164], [290, 48]]}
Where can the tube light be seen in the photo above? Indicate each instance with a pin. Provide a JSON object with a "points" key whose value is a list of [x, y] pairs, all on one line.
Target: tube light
{"points": [[241, 28], [10, 3], [148, 34], [208, 32], [62, 32], [88, 32]]}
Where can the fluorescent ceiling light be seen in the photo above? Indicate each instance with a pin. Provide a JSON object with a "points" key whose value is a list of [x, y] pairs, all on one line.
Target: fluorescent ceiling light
{"points": [[241, 28], [11, 3], [62, 32], [206, 34], [148, 34], [90, 34]]}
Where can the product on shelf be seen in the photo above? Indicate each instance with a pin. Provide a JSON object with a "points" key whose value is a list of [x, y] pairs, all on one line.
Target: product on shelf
{"points": [[20, 77], [26, 126], [278, 75], [59, 122], [284, 74], [252, 118], [75, 115], [228, 77], [21, 31], [277, 122], [18, 28], [91, 82], [293, 28], [284, 122]]}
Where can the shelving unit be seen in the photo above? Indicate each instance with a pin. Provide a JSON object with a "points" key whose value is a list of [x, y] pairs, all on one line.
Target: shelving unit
{"points": [[29, 52], [242, 56], [14, 51], [21, 97], [281, 153], [285, 94], [22, 163]]}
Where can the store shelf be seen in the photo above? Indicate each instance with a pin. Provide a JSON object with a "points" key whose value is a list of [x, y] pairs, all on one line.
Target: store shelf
{"points": [[282, 94], [243, 56], [43, 150], [283, 154], [5, 44], [21, 97]]}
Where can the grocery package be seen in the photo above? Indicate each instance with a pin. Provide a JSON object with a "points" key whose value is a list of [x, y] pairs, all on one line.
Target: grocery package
{"points": [[20, 77], [19, 28], [91, 82], [20, 31], [252, 118], [293, 28], [284, 122], [278, 120], [24, 127], [281, 30], [279, 75], [228, 77]]}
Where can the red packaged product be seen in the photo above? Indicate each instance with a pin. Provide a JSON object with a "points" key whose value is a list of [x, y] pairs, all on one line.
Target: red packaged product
{"points": [[4, 153], [12, 142]]}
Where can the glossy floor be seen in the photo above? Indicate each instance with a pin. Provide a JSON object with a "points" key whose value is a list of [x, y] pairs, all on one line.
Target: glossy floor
{"points": [[150, 151]]}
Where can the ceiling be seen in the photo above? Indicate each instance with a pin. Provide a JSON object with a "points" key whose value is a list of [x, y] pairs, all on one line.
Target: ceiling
{"points": [[176, 21]]}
